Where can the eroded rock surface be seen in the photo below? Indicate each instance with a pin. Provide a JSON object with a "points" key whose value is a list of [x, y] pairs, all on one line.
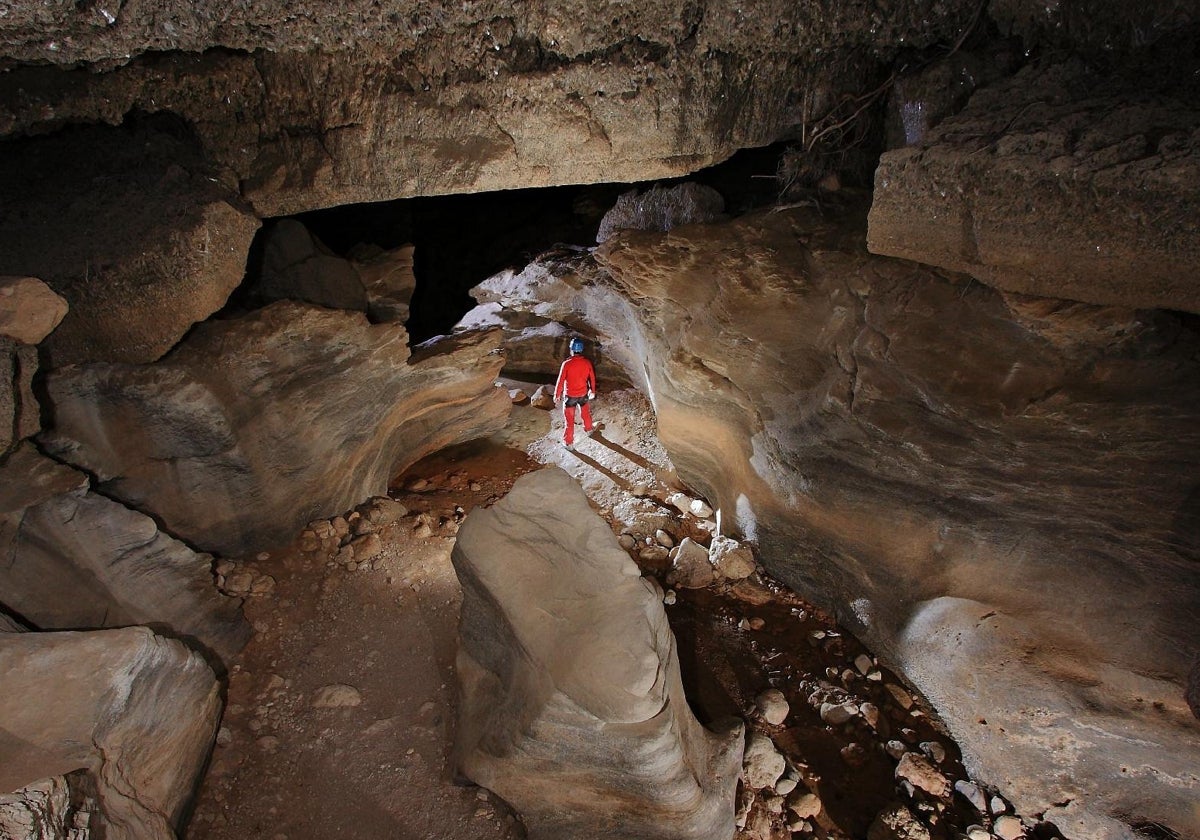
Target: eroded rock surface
{"points": [[75, 559], [136, 711], [1058, 182], [573, 710], [129, 227], [302, 109], [255, 426], [891, 437]]}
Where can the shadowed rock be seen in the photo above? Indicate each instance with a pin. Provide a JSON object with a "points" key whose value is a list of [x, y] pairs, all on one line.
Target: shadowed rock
{"points": [[76, 559], [136, 711], [1057, 182], [892, 438], [255, 426], [572, 706]]}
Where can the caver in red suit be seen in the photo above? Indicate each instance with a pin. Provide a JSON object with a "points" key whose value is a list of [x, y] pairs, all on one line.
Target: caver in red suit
{"points": [[577, 383]]}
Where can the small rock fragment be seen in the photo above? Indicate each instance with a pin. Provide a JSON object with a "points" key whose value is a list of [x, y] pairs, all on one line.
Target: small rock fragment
{"points": [[1008, 827], [971, 792], [863, 663], [664, 539], [518, 397], [732, 559], [934, 751], [627, 541], [691, 568], [336, 696], [870, 713], [897, 823], [902, 697], [699, 509], [806, 806], [762, 763], [835, 714], [367, 547], [543, 398], [669, 597], [785, 786], [917, 771], [773, 706], [998, 806], [895, 749]]}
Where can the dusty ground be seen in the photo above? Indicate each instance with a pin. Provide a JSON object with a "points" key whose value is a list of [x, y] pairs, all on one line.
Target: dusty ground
{"points": [[376, 767]]}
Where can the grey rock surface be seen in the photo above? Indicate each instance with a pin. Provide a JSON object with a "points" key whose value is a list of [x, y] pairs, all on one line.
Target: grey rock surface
{"points": [[137, 711], [573, 711], [337, 405], [75, 559]]}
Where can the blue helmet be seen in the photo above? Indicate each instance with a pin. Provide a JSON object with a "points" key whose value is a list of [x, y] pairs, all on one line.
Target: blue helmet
{"points": [[576, 345]]}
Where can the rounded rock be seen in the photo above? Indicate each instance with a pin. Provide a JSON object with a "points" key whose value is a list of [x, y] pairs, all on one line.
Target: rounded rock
{"points": [[773, 706]]}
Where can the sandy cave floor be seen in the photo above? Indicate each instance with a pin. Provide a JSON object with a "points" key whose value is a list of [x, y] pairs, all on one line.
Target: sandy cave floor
{"points": [[377, 767]]}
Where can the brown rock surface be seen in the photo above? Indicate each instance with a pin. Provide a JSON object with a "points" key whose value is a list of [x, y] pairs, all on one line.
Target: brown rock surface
{"points": [[135, 710], [1057, 182], [129, 227], [77, 559], [895, 440], [255, 426], [20, 415], [574, 712], [385, 100], [29, 309]]}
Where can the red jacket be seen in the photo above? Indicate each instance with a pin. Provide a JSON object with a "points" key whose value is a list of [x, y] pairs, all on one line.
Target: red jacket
{"points": [[576, 376]]}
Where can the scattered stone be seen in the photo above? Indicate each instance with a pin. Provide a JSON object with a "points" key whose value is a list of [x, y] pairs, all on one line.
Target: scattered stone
{"points": [[978, 832], [854, 754], [897, 823], [262, 586], [934, 751], [654, 554], [757, 623], [224, 737], [699, 509], [785, 786], [309, 541], [628, 542], [518, 397], [691, 568], [669, 597], [762, 763], [475, 487], [1008, 827], [543, 398], [341, 528], [682, 502], [640, 491], [871, 714], [732, 559], [383, 510], [336, 696], [774, 804], [664, 539], [917, 771], [863, 663], [367, 547], [805, 806], [422, 530], [835, 714], [345, 556], [773, 706], [998, 806], [970, 791], [902, 697], [268, 744]]}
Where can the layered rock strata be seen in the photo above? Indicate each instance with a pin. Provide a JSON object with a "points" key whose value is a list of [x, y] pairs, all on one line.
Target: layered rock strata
{"points": [[75, 559], [135, 711], [1057, 182], [572, 706], [995, 492], [254, 426], [127, 225], [299, 110]]}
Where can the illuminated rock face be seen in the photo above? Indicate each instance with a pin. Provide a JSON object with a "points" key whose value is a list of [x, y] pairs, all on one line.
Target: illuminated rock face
{"points": [[135, 711], [254, 426], [996, 492], [572, 706]]}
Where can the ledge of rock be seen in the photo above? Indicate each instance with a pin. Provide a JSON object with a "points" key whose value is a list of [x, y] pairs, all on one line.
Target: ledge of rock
{"points": [[891, 437], [136, 711], [76, 559], [301, 111], [572, 706], [254, 426], [128, 226], [1057, 182]]}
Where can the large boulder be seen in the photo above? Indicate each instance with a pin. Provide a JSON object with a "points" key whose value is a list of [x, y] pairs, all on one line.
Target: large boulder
{"points": [[135, 711], [76, 559], [130, 228], [572, 706], [256, 425], [1057, 182], [892, 437]]}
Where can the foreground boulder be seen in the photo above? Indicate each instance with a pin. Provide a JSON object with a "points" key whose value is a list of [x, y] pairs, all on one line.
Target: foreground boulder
{"points": [[892, 438], [77, 559], [1056, 182], [572, 706], [135, 712], [255, 426]]}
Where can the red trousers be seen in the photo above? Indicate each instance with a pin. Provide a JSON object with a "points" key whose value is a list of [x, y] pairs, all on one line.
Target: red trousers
{"points": [[585, 412]]}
